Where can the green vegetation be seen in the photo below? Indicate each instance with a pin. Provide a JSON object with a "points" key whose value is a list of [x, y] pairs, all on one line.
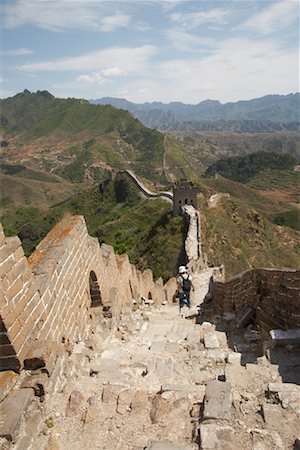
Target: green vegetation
{"points": [[243, 168], [82, 135], [250, 197], [240, 237], [271, 179], [23, 172], [23, 110], [49, 422], [117, 215], [72, 142], [290, 218]]}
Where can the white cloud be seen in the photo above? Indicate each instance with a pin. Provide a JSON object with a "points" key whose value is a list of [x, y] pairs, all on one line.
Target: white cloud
{"points": [[276, 16], [110, 23], [94, 78], [188, 42], [193, 20], [169, 4], [56, 15], [123, 59], [238, 68], [99, 78], [16, 52], [113, 72]]}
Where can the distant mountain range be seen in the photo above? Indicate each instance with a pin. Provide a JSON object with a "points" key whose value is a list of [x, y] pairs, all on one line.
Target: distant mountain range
{"points": [[268, 113]]}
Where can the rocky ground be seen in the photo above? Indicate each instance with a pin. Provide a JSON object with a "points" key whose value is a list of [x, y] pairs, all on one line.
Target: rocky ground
{"points": [[161, 381]]}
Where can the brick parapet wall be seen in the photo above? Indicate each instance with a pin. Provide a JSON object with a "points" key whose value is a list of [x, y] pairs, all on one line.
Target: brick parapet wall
{"points": [[273, 294], [45, 301]]}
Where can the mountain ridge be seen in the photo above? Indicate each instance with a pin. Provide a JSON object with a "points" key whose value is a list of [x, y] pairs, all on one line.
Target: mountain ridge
{"points": [[274, 112]]}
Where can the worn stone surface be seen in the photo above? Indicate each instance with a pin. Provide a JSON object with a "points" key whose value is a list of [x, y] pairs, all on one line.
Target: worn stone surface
{"points": [[288, 393], [217, 437], [53, 444], [75, 401], [217, 400], [12, 409], [160, 445], [211, 340], [285, 337], [7, 381], [139, 397]]}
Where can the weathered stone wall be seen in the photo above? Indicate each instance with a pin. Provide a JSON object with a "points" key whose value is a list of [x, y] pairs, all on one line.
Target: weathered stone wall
{"points": [[273, 294], [45, 301], [193, 249]]}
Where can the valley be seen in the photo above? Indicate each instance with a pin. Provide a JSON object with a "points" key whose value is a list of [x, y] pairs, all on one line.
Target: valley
{"points": [[56, 153]]}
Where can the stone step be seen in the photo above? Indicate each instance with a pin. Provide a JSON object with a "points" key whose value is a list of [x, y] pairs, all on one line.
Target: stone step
{"points": [[12, 409], [214, 437], [211, 340], [217, 400]]}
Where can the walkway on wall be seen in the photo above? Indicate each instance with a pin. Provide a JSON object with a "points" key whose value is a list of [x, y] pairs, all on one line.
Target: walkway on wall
{"points": [[163, 195], [163, 382], [145, 387], [193, 240]]}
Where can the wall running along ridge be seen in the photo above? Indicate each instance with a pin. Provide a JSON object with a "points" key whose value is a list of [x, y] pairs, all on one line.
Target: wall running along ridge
{"points": [[45, 300], [149, 194], [274, 295]]}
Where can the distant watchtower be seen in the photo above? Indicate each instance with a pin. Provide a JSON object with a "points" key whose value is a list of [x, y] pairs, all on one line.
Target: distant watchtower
{"points": [[184, 193]]}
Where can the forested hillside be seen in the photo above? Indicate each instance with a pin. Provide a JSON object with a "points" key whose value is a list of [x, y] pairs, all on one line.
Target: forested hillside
{"points": [[76, 140], [243, 168]]}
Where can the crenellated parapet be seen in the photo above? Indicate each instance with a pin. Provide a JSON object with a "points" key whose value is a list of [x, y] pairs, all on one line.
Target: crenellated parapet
{"points": [[50, 300]]}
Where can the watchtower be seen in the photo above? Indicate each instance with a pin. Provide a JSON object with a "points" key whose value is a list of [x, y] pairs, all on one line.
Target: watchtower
{"points": [[184, 193]]}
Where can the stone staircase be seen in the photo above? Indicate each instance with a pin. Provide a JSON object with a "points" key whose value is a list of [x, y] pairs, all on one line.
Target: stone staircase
{"points": [[161, 380]]}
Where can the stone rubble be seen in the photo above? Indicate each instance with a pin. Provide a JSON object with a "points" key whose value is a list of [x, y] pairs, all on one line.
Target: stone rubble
{"points": [[165, 381]]}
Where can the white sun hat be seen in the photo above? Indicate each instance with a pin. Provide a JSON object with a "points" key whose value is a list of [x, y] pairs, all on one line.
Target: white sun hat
{"points": [[181, 269]]}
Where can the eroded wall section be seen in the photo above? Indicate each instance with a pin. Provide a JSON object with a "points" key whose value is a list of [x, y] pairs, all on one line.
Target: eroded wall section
{"points": [[274, 295], [48, 301]]}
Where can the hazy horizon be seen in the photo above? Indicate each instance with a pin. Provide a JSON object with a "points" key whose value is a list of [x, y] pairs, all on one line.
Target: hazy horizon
{"points": [[175, 50]]}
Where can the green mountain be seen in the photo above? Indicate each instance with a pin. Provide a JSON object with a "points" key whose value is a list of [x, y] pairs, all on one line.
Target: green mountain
{"points": [[55, 151], [76, 140]]}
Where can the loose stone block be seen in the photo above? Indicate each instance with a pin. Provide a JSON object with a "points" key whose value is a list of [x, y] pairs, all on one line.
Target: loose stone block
{"points": [[272, 413], [124, 401], [285, 337], [210, 340], [139, 402], [215, 437], [74, 403], [234, 358], [217, 400]]}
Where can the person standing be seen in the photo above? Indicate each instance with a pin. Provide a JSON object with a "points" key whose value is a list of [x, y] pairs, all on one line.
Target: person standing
{"points": [[184, 286]]}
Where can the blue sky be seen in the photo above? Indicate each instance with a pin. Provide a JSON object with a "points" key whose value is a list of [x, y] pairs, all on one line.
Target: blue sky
{"points": [[171, 50]]}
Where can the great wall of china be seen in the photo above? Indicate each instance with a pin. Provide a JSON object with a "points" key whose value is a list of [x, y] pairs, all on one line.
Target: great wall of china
{"points": [[71, 310]]}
